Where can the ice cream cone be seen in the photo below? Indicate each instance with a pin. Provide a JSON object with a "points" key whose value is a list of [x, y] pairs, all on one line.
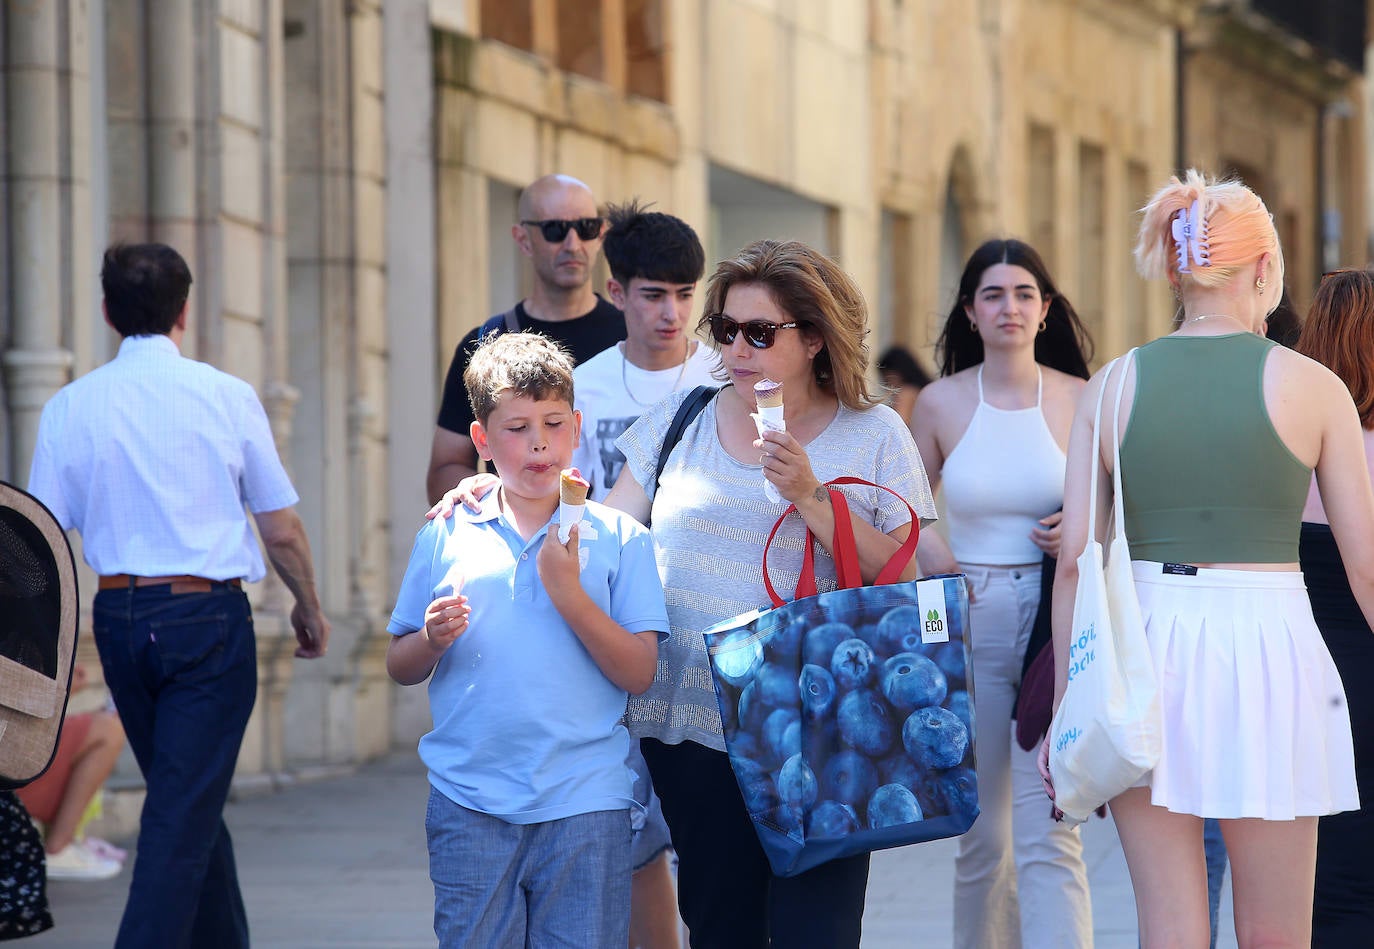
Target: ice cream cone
{"points": [[769, 418], [768, 394], [572, 487], [572, 501]]}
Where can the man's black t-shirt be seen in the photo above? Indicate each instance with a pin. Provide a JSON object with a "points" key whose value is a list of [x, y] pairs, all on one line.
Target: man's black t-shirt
{"points": [[584, 337]]}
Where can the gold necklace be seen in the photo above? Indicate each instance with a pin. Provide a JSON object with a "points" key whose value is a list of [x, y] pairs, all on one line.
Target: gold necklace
{"points": [[625, 381]]}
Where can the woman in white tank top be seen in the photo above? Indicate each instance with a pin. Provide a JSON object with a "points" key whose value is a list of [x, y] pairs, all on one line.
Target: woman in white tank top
{"points": [[994, 429]]}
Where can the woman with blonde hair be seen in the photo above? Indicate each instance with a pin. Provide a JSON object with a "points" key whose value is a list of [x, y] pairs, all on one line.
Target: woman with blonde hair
{"points": [[1339, 334], [1220, 432]]}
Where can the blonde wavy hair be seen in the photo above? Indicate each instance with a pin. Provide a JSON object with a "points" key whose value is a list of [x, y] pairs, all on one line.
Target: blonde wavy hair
{"points": [[1239, 229], [811, 288]]}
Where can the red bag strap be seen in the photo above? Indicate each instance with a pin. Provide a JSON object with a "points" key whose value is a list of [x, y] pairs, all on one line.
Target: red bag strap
{"points": [[846, 550], [892, 570], [843, 543], [845, 547]]}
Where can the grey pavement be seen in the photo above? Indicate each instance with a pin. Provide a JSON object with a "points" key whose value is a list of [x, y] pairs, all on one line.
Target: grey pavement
{"points": [[341, 862]]}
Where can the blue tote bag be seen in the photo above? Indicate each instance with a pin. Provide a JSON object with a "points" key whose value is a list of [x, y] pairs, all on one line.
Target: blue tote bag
{"points": [[848, 715]]}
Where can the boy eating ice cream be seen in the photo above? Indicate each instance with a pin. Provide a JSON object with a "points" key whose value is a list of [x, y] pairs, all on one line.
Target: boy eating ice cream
{"points": [[532, 658]]}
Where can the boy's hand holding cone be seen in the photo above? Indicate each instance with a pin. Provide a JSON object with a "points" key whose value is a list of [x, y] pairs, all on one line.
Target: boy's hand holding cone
{"points": [[572, 501]]}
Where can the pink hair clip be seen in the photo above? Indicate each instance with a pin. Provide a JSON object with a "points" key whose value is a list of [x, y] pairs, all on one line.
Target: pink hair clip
{"points": [[1190, 237]]}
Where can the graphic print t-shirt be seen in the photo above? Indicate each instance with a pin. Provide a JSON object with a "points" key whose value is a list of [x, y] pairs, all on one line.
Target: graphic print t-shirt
{"points": [[608, 408]]}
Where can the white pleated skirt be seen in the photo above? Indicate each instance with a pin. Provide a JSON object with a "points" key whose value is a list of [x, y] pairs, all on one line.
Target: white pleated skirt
{"points": [[1255, 717]]}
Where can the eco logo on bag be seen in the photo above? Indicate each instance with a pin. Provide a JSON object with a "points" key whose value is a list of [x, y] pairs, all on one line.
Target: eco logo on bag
{"points": [[930, 600]]}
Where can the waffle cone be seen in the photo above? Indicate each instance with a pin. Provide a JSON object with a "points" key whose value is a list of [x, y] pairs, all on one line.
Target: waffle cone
{"points": [[768, 394], [572, 487]]}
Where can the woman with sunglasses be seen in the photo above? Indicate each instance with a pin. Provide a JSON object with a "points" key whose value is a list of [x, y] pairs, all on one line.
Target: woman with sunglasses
{"points": [[1220, 431], [993, 429], [779, 311], [1339, 334]]}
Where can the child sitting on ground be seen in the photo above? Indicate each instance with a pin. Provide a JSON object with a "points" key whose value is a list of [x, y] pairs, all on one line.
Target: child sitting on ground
{"points": [[533, 645], [63, 799]]}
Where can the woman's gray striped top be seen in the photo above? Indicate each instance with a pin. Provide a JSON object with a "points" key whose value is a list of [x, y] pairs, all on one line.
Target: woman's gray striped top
{"points": [[710, 522]]}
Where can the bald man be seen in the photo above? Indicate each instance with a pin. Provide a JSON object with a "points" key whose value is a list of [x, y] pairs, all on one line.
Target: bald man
{"points": [[559, 232]]}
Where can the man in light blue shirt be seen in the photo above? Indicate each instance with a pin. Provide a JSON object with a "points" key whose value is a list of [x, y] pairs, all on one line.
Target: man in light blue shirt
{"points": [[533, 645], [153, 457]]}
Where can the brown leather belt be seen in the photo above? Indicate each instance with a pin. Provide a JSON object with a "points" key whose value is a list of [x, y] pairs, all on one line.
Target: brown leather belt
{"points": [[184, 583]]}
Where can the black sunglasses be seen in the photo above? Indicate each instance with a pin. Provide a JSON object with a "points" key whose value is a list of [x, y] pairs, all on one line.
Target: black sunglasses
{"points": [[554, 230], [760, 334]]}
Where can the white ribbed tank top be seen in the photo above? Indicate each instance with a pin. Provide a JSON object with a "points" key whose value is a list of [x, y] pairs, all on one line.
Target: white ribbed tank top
{"points": [[1005, 474]]}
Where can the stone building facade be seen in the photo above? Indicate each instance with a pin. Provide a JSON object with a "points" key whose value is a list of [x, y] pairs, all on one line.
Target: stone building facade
{"points": [[342, 176]]}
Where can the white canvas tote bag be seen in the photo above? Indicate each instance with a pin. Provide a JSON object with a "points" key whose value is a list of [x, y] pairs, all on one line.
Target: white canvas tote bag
{"points": [[1107, 731]]}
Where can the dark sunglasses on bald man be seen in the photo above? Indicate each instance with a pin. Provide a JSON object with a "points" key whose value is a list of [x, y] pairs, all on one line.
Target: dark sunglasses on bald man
{"points": [[760, 334], [554, 230]]}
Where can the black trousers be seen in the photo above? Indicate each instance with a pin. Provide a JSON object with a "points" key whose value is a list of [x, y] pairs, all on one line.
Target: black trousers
{"points": [[728, 896]]}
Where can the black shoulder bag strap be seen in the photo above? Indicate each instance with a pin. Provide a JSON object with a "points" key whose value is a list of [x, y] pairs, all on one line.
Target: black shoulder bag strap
{"points": [[506, 322], [687, 413]]}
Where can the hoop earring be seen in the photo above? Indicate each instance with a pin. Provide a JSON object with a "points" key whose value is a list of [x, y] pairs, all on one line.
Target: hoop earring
{"points": [[1260, 284], [1043, 324], [973, 326]]}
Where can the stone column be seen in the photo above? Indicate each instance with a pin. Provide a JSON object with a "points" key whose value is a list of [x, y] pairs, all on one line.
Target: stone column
{"points": [[412, 279], [336, 282], [36, 364], [171, 91]]}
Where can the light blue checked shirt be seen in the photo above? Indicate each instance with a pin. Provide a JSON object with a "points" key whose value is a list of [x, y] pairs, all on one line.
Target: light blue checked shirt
{"points": [[152, 457]]}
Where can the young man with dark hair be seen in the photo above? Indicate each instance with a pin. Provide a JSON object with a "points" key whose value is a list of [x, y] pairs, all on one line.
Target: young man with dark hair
{"points": [[152, 457], [656, 261], [145, 288]]}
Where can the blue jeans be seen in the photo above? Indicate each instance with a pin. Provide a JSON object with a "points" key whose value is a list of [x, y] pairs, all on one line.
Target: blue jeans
{"points": [[183, 673], [559, 883]]}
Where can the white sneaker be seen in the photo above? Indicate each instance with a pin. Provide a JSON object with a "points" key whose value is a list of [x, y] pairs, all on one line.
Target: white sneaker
{"points": [[105, 850], [75, 862]]}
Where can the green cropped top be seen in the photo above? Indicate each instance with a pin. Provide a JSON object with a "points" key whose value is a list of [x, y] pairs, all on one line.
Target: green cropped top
{"points": [[1206, 477]]}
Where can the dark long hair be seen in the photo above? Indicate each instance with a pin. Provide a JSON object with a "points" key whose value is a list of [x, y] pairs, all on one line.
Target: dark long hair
{"points": [[1064, 345]]}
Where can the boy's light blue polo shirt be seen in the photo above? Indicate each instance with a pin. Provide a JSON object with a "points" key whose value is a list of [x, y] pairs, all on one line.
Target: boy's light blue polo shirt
{"points": [[527, 727]]}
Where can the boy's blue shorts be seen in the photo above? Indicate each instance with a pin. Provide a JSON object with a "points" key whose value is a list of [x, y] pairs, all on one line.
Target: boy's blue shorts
{"points": [[649, 835]]}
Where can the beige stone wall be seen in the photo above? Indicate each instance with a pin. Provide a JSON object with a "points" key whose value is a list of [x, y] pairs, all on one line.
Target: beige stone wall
{"points": [[335, 271], [1253, 108], [503, 115], [1014, 111], [864, 109], [196, 148]]}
